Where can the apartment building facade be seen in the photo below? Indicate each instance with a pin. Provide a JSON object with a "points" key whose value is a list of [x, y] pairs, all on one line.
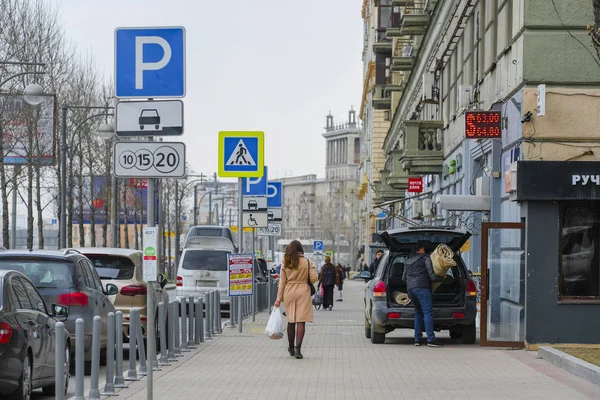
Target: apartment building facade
{"points": [[497, 116]]}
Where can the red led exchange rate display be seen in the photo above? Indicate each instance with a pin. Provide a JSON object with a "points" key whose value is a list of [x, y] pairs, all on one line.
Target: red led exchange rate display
{"points": [[483, 124]]}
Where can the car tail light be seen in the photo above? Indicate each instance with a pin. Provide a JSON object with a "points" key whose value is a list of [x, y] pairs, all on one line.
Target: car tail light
{"points": [[275, 276], [393, 315], [179, 281], [471, 288], [73, 299], [134, 290], [379, 289], [5, 332], [458, 315]]}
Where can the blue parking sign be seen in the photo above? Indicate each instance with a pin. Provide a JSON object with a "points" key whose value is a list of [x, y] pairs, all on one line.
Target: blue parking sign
{"points": [[150, 62], [318, 246], [275, 195], [255, 186]]}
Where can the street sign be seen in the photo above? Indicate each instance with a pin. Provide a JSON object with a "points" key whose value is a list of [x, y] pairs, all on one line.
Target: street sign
{"points": [[149, 118], [255, 219], [241, 154], [257, 253], [150, 263], [273, 229], [150, 62], [318, 246], [329, 254], [255, 204], [275, 194], [241, 274], [275, 214], [256, 186], [149, 159]]}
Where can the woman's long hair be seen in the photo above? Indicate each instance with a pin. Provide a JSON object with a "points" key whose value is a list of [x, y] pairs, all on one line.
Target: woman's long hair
{"points": [[292, 254]]}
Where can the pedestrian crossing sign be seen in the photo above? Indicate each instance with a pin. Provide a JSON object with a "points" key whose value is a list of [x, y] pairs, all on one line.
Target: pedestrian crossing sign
{"points": [[241, 154]]}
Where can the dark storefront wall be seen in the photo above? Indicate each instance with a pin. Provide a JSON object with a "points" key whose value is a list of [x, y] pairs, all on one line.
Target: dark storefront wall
{"points": [[547, 320]]}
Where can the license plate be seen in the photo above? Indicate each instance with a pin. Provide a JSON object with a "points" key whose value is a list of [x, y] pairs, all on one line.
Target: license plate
{"points": [[206, 283]]}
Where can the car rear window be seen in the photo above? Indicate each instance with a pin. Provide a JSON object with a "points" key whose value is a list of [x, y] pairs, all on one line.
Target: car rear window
{"points": [[205, 260], [112, 267], [208, 232], [43, 273]]}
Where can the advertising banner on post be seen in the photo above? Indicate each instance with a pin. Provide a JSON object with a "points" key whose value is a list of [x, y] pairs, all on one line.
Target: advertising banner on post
{"points": [[241, 274], [150, 264]]}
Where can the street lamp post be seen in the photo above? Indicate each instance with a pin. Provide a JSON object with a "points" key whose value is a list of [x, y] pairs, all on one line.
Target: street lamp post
{"points": [[33, 94], [63, 164]]}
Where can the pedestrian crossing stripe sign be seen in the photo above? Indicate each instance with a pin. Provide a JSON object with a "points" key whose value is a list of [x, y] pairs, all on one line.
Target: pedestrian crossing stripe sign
{"points": [[241, 154]]}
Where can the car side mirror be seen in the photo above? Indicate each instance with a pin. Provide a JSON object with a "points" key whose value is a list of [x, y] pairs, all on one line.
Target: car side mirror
{"points": [[366, 275], [111, 289], [59, 312]]}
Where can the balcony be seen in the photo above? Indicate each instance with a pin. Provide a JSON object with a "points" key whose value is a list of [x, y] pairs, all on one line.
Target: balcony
{"points": [[382, 100], [397, 178], [384, 43], [414, 21], [403, 63], [395, 27], [423, 151], [403, 3], [385, 192]]}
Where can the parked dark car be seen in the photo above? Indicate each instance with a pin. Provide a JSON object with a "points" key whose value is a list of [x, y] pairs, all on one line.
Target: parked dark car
{"points": [[70, 279], [454, 302], [27, 338], [261, 271]]}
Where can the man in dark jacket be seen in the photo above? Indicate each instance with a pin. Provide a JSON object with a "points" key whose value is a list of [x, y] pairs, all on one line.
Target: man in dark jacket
{"points": [[328, 278], [418, 275], [375, 263]]}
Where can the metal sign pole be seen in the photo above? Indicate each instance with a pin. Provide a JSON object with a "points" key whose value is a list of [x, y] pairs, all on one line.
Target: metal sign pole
{"points": [[253, 291], [150, 304], [240, 239]]}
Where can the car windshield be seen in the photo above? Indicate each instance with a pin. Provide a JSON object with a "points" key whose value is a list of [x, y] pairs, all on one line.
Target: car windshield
{"points": [[206, 260], [112, 267], [43, 273]]}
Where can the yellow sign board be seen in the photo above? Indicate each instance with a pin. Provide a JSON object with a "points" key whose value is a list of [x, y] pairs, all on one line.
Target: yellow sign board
{"points": [[241, 154], [466, 246], [235, 229], [329, 254]]}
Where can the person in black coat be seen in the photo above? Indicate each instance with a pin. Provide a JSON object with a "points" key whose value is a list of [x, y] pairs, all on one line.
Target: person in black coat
{"points": [[375, 263]]}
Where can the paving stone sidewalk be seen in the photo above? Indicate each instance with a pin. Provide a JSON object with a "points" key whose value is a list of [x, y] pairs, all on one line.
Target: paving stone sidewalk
{"points": [[340, 363]]}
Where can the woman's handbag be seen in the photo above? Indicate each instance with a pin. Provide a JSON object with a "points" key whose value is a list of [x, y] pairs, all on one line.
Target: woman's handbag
{"points": [[310, 284]]}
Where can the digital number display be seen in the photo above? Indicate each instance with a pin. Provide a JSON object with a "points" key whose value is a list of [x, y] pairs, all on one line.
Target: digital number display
{"points": [[483, 124]]}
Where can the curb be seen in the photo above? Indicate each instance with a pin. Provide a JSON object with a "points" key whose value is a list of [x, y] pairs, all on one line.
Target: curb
{"points": [[571, 364]]}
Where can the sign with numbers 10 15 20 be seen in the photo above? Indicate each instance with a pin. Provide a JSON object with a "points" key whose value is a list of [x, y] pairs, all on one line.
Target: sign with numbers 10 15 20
{"points": [[149, 159]]}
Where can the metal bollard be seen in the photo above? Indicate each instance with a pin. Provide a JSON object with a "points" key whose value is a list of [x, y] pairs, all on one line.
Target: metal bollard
{"points": [[199, 321], [219, 326], [208, 315], [59, 361], [162, 321], [95, 378], [191, 323], [213, 322], [269, 293], [184, 332], [79, 359], [119, 380], [171, 316], [132, 371], [143, 368], [109, 386], [177, 309]]}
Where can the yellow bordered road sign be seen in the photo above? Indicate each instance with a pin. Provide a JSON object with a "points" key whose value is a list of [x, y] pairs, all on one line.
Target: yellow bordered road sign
{"points": [[241, 154]]}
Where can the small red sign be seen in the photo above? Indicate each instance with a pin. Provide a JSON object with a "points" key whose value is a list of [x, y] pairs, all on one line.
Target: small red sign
{"points": [[415, 185]]}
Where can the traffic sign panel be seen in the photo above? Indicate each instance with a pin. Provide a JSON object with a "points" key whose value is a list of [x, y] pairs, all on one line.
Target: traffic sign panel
{"points": [[241, 154], [274, 229], [329, 254], [318, 246], [275, 194], [255, 219], [150, 62], [275, 214], [149, 118], [255, 186], [255, 204], [149, 159]]}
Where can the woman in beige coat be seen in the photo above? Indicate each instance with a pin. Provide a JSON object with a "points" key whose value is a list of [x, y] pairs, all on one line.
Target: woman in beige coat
{"points": [[294, 291]]}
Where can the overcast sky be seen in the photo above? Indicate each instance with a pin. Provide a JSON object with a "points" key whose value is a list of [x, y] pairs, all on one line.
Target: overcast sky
{"points": [[276, 66]]}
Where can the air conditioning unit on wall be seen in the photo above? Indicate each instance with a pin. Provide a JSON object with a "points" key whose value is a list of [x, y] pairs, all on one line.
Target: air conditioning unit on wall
{"points": [[465, 94], [417, 209], [427, 205]]}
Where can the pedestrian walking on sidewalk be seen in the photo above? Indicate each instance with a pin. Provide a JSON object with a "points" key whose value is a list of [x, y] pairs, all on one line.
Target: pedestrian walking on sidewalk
{"points": [[340, 285], [418, 275], [296, 273], [328, 278]]}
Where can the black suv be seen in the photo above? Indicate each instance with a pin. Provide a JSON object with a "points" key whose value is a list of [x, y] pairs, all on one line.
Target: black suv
{"points": [[454, 301]]}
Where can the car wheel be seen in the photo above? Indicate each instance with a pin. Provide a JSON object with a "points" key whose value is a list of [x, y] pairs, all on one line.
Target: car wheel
{"points": [[24, 390], [469, 334], [51, 390], [376, 337], [367, 328]]}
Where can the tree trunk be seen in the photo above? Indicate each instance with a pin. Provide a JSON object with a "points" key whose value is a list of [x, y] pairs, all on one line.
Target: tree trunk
{"points": [[32, 128], [69, 186], [168, 206], [107, 195], [4, 191], [92, 210], [40, 209]]}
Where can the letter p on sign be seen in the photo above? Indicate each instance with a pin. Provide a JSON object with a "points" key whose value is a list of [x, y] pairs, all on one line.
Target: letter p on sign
{"points": [[141, 66]]}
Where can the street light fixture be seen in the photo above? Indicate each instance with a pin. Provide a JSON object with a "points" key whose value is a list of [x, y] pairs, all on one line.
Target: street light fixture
{"points": [[33, 94]]}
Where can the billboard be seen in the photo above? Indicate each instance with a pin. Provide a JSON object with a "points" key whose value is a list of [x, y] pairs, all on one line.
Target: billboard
{"points": [[28, 132]]}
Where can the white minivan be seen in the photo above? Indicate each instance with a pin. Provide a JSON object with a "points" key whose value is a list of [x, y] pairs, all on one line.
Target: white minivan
{"points": [[203, 268]]}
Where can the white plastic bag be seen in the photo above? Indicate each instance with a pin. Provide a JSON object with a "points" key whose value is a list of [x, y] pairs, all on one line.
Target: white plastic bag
{"points": [[274, 329]]}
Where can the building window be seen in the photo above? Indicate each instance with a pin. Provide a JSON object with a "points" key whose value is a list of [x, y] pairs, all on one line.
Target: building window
{"points": [[580, 250]]}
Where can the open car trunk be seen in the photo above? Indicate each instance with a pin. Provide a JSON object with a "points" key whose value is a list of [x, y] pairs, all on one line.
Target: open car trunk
{"points": [[401, 244], [450, 293]]}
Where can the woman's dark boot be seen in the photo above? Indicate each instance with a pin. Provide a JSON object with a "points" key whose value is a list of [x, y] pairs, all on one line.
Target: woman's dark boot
{"points": [[291, 351], [297, 353]]}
